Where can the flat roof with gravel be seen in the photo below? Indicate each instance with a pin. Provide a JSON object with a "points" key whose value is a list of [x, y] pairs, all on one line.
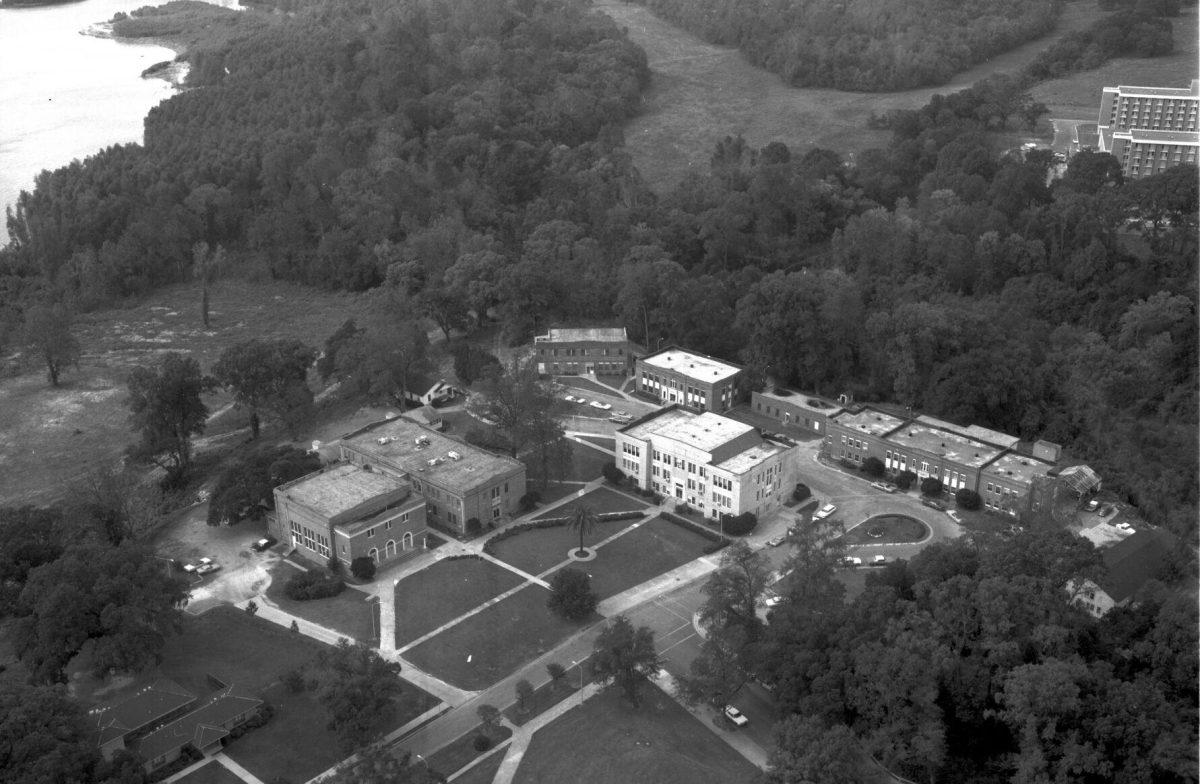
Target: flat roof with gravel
{"points": [[697, 366], [340, 488], [705, 431]]}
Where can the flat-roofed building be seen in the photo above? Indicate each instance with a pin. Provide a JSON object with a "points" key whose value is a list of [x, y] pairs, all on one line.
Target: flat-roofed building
{"points": [[712, 463], [347, 511], [856, 434], [604, 351], [697, 381], [1150, 129], [458, 481], [1004, 483], [930, 451], [809, 412]]}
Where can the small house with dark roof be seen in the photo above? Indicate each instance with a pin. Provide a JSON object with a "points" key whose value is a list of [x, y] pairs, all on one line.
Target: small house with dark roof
{"points": [[429, 391], [203, 729], [1129, 564], [116, 726]]}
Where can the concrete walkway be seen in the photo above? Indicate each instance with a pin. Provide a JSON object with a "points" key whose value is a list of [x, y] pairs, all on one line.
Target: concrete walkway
{"points": [[519, 742], [739, 742], [238, 770]]}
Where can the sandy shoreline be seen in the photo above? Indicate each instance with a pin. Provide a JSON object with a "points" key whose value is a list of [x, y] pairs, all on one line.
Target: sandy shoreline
{"points": [[173, 71]]}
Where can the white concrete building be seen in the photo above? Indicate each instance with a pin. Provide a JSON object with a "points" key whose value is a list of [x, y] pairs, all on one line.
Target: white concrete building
{"points": [[712, 463]]}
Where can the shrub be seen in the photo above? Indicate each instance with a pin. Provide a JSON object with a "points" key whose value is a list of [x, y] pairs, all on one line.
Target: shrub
{"points": [[524, 696], [313, 585], [334, 565], [295, 626], [481, 743], [556, 672], [968, 499], [613, 474], [571, 594], [931, 486], [363, 568], [905, 479], [801, 492], [740, 525], [873, 466], [552, 522], [474, 527], [529, 500], [251, 607]]}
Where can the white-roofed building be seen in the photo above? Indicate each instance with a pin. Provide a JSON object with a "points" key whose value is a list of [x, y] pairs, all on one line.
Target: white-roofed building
{"points": [[691, 379], [712, 463]]}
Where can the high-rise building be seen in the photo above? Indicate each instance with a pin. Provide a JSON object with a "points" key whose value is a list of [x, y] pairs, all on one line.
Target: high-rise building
{"points": [[1150, 129]]}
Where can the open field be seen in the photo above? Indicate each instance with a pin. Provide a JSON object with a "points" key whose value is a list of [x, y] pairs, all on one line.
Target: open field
{"points": [[212, 773], [539, 549], [496, 641], [612, 743], [442, 592], [1077, 96], [348, 613], [295, 744], [49, 437], [887, 529], [647, 551], [702, 93]]}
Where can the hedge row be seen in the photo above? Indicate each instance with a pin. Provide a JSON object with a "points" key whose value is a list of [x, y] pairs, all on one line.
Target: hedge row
{"points": [[553, 522], [313, 585]]}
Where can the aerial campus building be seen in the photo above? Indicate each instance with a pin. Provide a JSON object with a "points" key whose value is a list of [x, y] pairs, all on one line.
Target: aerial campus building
{"points": [[1149, 129]]}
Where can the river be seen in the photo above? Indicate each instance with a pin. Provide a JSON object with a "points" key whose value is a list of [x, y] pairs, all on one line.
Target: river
{"points": [[64, 95]]}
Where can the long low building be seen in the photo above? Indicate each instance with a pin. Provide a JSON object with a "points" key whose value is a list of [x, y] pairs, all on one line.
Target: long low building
{"points": [[710, 462], [998, 466], [604, 351], [799, 409]]}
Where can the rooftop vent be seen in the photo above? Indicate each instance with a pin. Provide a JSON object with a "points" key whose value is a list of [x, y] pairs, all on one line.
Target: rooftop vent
{"points": [[435, 461], [384, 440], [421, 441]]}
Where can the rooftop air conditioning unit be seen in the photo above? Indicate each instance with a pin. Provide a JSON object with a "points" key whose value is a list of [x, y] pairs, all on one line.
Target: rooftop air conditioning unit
{"points": [[435, 461], [454, 455], [381, 440]]}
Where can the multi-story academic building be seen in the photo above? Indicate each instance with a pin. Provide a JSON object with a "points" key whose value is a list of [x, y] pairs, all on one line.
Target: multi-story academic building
{"points": [[712, 463], [795, 408], [997, 466], [1150, 129], [697, 381], [605, 351]]}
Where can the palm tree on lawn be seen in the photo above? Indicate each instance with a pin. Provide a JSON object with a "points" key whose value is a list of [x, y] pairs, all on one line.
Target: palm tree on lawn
{"points": [[585, 520]]}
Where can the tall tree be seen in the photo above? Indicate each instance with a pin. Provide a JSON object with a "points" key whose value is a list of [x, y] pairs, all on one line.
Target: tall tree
{"points": [[29, 538], [166, 411], [524, 407], [382, 360], [47, 337], [583, 520], [735, 590], [720, 671], [806, 751], [117, 501], [358, 688], [382, 764], [269, 375], [207, 266], [625, 655], [44, 736], [121, 600]]}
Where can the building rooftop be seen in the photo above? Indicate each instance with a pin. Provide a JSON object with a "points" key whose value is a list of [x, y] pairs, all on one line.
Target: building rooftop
{"points": [[150, 704], [948, 444], [706, 431], [976, 432], [1158, 92], [1134, 560], [407, 503], [697, 366], [1015, 467], [806, 401], [201, 727], [583, 334], [868, 420], [426, 454], [746, 460], [340, 488]]}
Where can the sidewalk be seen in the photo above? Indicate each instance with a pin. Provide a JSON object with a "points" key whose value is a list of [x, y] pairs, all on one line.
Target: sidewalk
{"points": [[738, 741], [523, 735]]}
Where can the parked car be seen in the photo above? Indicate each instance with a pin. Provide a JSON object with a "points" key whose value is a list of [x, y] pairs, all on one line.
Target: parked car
{"points": [[1092, 505], [778, 540], [190, 568], [208, 568], [1124, 526], [955, 516], [1106, 510], [601, 406], [851, 560], [891, 488], [885, 487], [621, 417], [773, 600], [736, 716], [206, 561], [825, 511], [879, 560], [934, 504], [263, 544], [571, 399]]}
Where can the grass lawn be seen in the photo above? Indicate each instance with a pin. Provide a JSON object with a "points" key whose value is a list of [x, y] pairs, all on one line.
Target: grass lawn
{"points": [[545, 697], [295, 744], [540, 549], [449, 759], [85, 422], [447, 589], [234, 647], [586, 465], [601, 500], [600, 441], [484, 772], [348, 613], [554, 491], [887, 529], [582, 383], [652, 548], [497, 640], [612, 743], [212, 773]]}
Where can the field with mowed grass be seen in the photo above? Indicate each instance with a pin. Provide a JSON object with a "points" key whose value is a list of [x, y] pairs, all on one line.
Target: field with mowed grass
{"points": [[50, 437], [701, 93], [348, 613], [493, 643], [611, 742], [440, 593], [586, 464]]}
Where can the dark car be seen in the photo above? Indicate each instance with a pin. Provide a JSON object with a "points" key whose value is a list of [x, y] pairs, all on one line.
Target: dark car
{"points": [[263, 544], [934, 504]]}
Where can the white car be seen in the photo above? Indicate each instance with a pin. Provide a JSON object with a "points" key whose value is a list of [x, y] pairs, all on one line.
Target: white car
{"points": [[621, 417], [850, 560], [189, 567], [824, 512], [570, 399], [773, 600], [736, 716], [601, 406], [879, 560], [955, 516], [208, 568], [778, 540], [206, 561], [884, 486]]}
